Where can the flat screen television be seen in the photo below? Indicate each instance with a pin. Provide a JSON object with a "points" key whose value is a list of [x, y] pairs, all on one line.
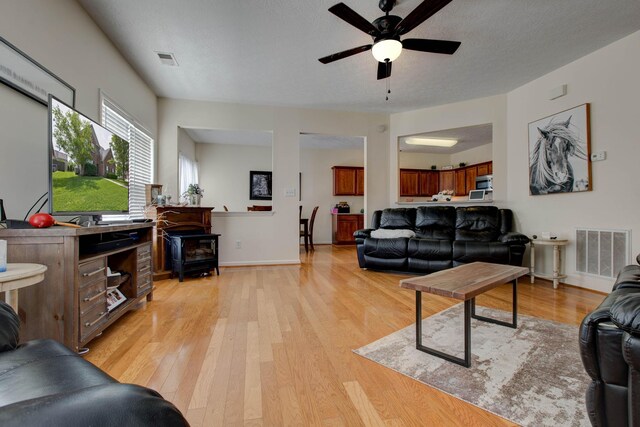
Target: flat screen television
{"points": [[88, 165]]}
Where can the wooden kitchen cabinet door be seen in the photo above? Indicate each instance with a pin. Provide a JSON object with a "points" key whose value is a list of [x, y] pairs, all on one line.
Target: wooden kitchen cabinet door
{"points": [[409, 182]]}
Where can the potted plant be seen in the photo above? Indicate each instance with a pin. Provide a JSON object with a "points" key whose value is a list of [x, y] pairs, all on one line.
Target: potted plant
{"points": [[193, 194], [434, 167], [462, 164]]}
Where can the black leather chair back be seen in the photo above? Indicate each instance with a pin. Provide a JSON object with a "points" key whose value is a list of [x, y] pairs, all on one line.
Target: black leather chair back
{"points": [[436, 222], [398, 218], [477, 224]]}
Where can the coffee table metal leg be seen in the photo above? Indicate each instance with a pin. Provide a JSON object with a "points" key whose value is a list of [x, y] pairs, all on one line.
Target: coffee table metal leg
{"points": [[514, 319], [466, 362]]}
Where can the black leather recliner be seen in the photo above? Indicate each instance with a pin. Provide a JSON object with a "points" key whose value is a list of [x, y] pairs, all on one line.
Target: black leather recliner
{"points": [[43, 383], [445, 237], [610, 350]]}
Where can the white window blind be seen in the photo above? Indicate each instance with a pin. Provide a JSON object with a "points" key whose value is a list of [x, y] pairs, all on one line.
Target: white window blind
{"points": [[140, 153]]}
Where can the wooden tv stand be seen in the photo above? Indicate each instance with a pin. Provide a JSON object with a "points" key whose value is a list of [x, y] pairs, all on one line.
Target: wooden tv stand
{"points": [[70, 305]]}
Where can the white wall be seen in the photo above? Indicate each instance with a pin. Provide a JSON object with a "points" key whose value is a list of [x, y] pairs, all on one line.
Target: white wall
{"points": [[224, 174], [468, 113], [472, 156], [317, 186], [272, 238], [409, 160], [63, 38], [608, 79]]}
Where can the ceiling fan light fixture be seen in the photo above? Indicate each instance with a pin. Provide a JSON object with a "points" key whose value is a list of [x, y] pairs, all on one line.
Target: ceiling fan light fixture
{"points": [[432, 142], [387, 50]]}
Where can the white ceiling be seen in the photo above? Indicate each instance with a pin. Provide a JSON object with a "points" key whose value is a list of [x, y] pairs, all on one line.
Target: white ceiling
{"points": [[330, 142], [468, 137], [266, 51]]}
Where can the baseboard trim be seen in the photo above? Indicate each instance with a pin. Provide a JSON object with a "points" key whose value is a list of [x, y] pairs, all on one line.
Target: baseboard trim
{"points": [[258, 263]]}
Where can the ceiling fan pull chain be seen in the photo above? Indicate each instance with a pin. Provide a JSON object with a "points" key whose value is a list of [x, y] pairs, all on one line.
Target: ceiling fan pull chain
{"points": [[388, 79]]}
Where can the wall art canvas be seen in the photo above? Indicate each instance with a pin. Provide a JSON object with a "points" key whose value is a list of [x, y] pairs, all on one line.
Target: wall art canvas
{"points": [[260, 185], [559, 149]]}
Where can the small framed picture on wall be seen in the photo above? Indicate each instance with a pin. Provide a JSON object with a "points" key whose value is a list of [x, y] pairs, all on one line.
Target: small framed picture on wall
{"points": [[260, 185]]}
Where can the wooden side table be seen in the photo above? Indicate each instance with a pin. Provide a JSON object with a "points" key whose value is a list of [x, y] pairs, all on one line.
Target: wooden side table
{"points": [[555, 276], [19, 276]]}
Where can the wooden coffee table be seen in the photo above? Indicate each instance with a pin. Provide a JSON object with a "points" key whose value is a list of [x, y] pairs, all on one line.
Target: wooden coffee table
{"points": [[464, 283]]}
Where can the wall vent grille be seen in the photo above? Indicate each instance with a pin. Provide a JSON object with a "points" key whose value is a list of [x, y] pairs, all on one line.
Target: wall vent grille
{"points": [[602, 252]]}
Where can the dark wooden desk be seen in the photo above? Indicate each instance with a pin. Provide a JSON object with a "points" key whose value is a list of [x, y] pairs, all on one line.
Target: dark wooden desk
{"points": [[465, 283]]}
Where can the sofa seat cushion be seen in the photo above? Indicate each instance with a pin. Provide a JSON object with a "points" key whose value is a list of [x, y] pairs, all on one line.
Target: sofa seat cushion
{"points": [[386, 248], [629, 277], [395, 218], [436, 222], [478, 223], [466, 252], [429, 255], [44, 367], [383, 233]]}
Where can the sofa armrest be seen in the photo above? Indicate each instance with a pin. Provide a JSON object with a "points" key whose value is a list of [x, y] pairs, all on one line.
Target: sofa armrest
{"points": [[514, 238], [625, 313], [631, 352], [9, 328], [108, 405], [364, 233]]}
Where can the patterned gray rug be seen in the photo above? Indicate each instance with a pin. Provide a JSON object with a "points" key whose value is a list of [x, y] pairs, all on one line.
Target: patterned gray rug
{"points": [[532, 375]]}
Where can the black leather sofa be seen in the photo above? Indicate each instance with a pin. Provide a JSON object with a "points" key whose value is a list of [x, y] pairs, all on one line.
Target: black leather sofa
{"points": [[43, 383], [610, 351], [445, 237]]}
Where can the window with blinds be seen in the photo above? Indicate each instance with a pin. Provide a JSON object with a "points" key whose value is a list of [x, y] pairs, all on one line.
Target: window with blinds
{"points": [[140, 153]]}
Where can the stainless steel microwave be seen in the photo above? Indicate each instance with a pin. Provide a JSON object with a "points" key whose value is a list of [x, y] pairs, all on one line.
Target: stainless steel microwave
{"points": [[484, 182]]}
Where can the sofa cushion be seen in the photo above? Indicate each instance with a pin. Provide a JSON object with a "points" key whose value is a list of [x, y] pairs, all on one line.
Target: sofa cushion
{"points": [[436, 222], [629, 277], [44, 367], [394, 218], [477, 223], [386, 248], [625, 313], [429, 249], [465, 252], [383, 233], [9, 328]]}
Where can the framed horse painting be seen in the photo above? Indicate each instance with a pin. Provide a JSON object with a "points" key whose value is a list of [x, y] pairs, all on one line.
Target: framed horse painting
{"points": [[559, 149]]}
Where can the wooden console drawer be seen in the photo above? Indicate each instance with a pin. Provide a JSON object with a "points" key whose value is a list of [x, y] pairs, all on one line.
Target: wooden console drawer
{"points": [[144, 283], [144, 252], [92, 295], [92, 271], [92, 320]]}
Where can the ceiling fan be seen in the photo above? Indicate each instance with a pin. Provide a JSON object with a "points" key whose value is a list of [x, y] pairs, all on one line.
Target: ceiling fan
{"points": [[386, 32]]}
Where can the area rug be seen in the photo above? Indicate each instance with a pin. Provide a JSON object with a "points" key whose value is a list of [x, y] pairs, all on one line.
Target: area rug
{"points": [[531, 375]]}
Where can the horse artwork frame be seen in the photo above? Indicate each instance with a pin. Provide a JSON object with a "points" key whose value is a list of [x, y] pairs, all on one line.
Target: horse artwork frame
{"points": [[559, 152]]}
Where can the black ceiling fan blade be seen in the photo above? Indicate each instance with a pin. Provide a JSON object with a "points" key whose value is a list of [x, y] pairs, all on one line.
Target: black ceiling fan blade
{"points": [[447, 47], [424, 11], [384, 70], [350, 16], [345, 54]]}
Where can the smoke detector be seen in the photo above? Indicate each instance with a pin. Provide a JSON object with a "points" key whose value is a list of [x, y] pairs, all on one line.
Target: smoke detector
{"points": [[167, 58]]}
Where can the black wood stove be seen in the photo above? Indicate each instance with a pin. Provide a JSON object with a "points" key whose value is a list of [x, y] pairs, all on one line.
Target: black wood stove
{"points": [[194, 253]]}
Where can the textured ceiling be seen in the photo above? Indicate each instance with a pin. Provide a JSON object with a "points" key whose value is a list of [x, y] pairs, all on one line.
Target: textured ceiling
{"points": [[330, 142], [232, 137], [266, 51]]}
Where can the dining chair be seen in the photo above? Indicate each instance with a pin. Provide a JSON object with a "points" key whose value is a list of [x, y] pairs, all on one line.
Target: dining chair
{"points": [[311, 222]]}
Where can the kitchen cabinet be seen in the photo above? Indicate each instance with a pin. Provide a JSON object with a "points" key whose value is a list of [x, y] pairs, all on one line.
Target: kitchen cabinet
{"points": [[471, 173], [409, 182], [429, 183], [484, 168], [460, 185], [343, 226], [447, 180], [348, 181]]}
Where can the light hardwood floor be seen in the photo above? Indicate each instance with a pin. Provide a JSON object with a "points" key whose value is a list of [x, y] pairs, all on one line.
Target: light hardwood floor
{"points": [[272, 346]]}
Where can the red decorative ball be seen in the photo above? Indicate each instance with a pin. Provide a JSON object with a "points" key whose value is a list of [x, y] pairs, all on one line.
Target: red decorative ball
{"points": [[41, 220]]}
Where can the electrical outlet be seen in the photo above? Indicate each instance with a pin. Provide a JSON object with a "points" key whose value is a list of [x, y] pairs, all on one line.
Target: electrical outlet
{"points": [[238, 244], [598, 156]]}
